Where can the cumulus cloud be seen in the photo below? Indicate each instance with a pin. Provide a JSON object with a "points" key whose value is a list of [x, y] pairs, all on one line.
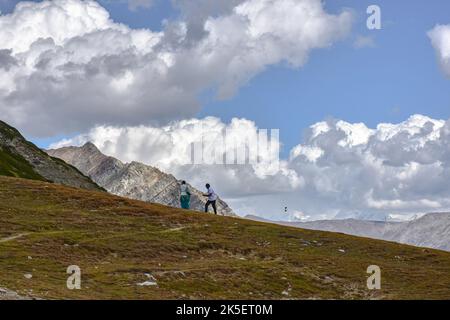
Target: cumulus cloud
{"points": [[440, 39], [395, 168], [340, 170], [70, 66], [7, 60], [196, 13]]}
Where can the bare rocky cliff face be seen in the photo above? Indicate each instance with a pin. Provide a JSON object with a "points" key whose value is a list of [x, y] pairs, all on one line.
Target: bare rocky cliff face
{"points": [[21, 158], [432, 230], [132, 180]]}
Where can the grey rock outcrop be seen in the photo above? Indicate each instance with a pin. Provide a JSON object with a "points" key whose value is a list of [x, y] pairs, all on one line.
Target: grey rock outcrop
{"points": [[6, 294]]}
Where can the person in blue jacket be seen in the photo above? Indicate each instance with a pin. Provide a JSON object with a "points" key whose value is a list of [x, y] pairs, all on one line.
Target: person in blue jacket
{"points": [[185, 197]]}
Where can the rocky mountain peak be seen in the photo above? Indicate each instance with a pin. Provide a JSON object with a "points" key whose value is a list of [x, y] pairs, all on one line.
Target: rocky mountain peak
{"points": [[90, 147], [134, 180]]}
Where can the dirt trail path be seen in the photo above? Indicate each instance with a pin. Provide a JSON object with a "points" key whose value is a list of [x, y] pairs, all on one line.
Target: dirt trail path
{"points": [[11, 238]]}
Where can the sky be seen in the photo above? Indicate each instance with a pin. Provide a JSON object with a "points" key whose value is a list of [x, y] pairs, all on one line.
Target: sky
{"points": [[292, 65]]}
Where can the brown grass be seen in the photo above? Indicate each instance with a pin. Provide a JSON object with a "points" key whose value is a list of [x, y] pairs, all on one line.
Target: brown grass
{"points": [[116, 241]]}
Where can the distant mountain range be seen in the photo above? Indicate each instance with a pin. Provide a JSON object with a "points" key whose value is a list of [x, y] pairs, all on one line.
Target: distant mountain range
{"points": [[431, 230], [132, 180], [22, 159]]}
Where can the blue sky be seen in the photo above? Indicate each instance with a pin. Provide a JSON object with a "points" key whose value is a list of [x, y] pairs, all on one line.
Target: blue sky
{"points": [[396, 78]]}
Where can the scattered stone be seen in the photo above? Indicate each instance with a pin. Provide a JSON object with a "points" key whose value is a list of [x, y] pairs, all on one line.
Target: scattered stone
{"points": [[6, 294], [150, 282], [147, 284], [28, 276], [341, 250], [305, 242]]}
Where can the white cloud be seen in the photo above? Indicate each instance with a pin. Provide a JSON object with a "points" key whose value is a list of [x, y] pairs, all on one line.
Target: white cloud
{"points": [[340, 169], [395, 168], [69, 66], [170, 149], [440, 39], [274, 32]]}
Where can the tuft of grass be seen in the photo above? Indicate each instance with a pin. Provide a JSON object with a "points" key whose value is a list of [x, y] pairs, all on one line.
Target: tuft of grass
{"points": [[116, 241]]}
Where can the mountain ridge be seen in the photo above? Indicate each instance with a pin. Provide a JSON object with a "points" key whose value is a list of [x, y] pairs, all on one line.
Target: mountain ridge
{"points": [[431, 230], [21, 158]]}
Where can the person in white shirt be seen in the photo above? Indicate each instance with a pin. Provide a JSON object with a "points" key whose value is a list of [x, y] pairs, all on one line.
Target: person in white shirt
{"points": [[212, 198], [185, 197]]}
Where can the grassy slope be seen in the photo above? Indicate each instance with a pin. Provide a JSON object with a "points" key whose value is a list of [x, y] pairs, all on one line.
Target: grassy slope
{"points": [[14, 165], [11, 164], [192, 255]]}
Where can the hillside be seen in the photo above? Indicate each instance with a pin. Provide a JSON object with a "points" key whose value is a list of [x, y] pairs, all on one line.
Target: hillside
{"points": [[132, 180], [120, 244], [431, 230], [20, 158]]}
